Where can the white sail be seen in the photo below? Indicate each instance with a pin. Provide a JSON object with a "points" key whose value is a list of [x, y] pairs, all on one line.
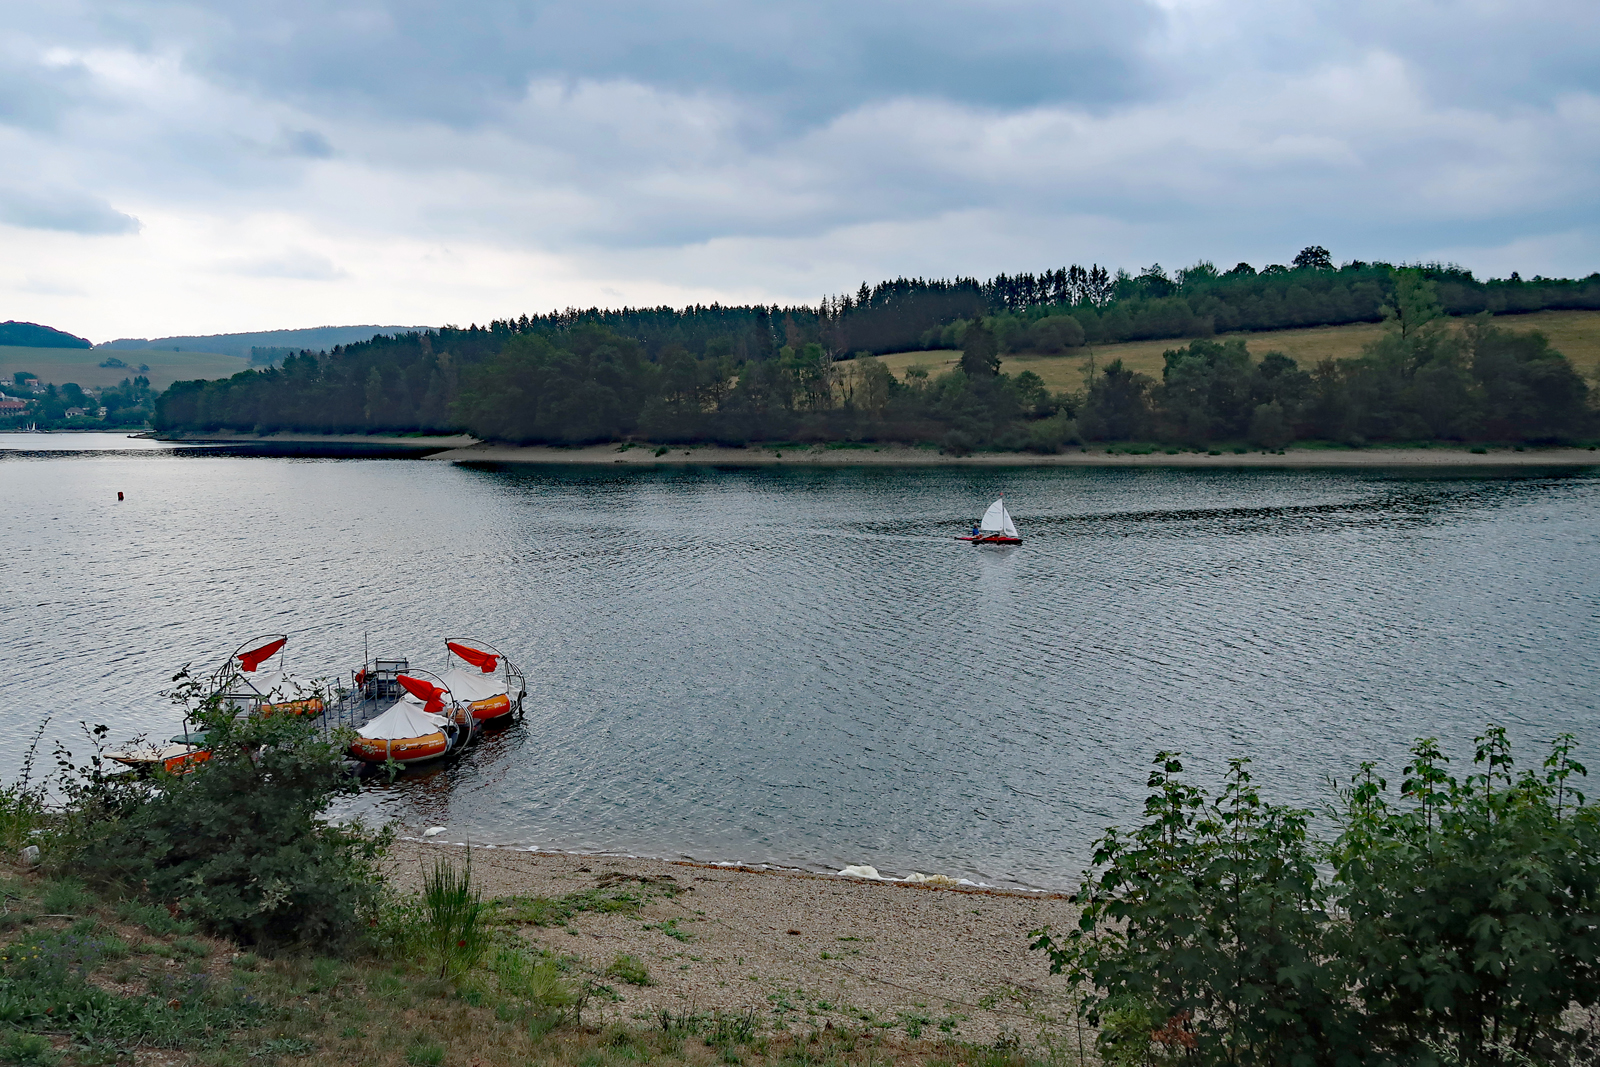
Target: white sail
{"points": [[997, 520]]}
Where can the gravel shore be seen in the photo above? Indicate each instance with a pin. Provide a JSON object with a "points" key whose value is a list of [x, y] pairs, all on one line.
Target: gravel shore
{"points": [[802, 950], [464, 449], [1097, 456]]}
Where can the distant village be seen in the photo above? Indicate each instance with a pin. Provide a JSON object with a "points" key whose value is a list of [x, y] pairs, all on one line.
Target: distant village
{"points": [[27, 402]]}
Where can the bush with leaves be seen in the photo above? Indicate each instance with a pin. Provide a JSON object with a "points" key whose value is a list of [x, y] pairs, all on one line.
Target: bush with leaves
{"points": [[1471, 904], [1203, 932], [1458, 924], [239, 843]]}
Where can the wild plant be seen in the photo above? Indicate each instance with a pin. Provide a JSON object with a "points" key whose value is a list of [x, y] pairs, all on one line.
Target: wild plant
{"points": [[457, 919], [630, 969], [22, 801], [1456, 926], [1470, 902], [237, 842]]}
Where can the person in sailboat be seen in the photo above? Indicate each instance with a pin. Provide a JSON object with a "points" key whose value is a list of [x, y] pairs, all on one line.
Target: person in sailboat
{"points": [[996, 528]]}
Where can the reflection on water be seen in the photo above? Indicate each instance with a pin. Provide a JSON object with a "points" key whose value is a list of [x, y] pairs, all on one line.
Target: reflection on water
{"points": [[802, 666], [24, 444]]}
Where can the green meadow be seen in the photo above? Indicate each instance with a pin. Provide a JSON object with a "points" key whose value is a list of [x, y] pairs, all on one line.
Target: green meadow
{"points": [[1575, 334], [82, 365]]}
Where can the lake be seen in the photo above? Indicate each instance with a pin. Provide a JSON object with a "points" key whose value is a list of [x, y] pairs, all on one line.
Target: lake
{"points": [[802, 667]]}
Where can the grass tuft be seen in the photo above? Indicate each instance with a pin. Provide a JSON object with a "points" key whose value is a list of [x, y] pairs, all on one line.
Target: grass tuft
{"points": [[457, 930], [630, 969]]}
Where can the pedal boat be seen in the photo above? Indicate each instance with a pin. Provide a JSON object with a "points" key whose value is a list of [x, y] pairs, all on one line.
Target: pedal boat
{"points": [[243, 683], [483, 679], [178, 756], [424, 724]]}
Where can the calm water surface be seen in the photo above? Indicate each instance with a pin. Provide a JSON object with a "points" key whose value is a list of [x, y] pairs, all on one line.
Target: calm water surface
{"points": [[801, 666]]}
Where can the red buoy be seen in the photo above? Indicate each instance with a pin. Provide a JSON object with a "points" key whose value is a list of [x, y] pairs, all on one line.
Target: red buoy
{"points": [[119, 496]]}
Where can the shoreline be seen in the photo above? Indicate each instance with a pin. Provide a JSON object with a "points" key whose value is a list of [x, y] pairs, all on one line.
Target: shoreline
{"points": [[812, 950], [902, 456], [460, 448]]}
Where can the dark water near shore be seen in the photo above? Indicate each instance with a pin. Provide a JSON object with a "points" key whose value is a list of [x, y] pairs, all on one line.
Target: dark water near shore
{"points": [[802, 667]]}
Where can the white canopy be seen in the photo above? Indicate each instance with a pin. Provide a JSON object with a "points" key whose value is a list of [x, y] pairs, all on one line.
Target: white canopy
{"points": [[472, 686], [402, 720], [150, 753], [276, 685], [998, 520]]}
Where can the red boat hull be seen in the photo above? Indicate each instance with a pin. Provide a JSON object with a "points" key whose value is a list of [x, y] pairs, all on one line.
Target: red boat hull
{"points": [[992, 540]]}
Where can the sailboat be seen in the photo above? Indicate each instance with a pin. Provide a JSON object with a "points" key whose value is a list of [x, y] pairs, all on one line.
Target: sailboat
{"points": [[996, 527]]}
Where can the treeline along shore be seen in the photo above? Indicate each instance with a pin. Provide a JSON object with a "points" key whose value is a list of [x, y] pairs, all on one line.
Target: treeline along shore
{"points": [[1442, 369]]}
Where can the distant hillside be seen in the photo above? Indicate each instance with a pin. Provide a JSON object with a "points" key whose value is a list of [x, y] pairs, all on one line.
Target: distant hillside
{"points": [[317, 338], [89, 367], [32, 335]]}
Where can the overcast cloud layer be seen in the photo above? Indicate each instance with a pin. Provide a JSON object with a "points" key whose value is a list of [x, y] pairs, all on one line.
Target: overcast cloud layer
{"points": [[176, 168]]}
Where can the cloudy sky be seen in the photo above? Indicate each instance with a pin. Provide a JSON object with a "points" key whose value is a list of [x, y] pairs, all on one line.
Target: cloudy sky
{"points": [[206, 167]]}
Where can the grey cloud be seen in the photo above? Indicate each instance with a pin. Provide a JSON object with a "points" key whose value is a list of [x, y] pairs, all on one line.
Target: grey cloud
{"points": [[33, 95], [958, 134], [308, 144], [1494, 55], [455, 63], [295, 264], [66, 211]]}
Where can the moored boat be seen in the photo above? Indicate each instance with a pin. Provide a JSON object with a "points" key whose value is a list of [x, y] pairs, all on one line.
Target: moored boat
{"points": [[996, 528], [483, 679], [243, 682], [425, 723], [178, 756]]}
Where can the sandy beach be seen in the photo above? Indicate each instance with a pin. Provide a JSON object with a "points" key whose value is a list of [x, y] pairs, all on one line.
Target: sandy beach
{"points": [[803, 950], [1093, 456], [461, 448]]}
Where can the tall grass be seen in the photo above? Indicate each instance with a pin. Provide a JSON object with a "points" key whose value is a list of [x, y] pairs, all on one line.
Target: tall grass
{"points": [[22, 807], [457, 934]]}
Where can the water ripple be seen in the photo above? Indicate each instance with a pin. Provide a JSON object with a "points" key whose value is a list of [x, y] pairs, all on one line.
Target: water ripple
{"points": [[803, 666]]}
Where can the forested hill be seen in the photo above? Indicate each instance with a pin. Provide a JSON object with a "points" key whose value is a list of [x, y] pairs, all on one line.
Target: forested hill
{"points": [[279, 342], [32, 335], [908, 314], [770, 373]]}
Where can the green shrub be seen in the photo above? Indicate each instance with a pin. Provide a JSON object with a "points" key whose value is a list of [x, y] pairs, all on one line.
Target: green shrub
{"points": [[1209, 918], [22, 802], [157, 920], [397, 927], [1456, 927], [238, 843], [21, 813], [1471, 904], [538, 982], [65, 897]]}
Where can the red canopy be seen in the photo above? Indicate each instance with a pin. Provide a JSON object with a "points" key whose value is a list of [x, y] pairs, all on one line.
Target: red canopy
{"points": [[425, 691], [484, 661], [249, 661]]}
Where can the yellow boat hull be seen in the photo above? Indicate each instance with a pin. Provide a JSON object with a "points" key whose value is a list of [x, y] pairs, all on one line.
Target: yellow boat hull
{"points": [[400, 749]]}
